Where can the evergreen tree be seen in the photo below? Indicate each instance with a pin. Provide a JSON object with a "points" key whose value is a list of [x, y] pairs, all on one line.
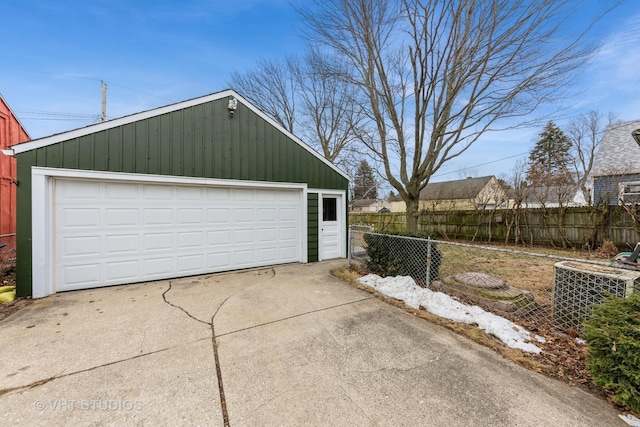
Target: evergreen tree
{"points": [[364, 183], [550, 158]]}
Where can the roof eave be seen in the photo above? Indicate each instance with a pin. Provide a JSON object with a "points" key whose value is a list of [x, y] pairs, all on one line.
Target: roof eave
{"points": [[87, 130]]}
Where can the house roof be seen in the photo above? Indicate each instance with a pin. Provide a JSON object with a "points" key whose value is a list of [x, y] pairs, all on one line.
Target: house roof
{"points": [[361, 203], [14, 116], [551, 194], [228, 93], [468, 188], [618, 153]]}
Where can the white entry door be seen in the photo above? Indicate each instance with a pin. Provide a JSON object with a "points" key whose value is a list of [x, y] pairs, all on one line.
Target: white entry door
{"points": [[331, 230]]}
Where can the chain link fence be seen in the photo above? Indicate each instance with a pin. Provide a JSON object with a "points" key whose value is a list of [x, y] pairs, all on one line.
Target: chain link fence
{"points": [[7, 253], [541, 292]]}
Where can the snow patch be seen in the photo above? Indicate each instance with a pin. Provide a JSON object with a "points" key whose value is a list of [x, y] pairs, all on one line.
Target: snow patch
{"points": [[404, 288], [631, 420]]}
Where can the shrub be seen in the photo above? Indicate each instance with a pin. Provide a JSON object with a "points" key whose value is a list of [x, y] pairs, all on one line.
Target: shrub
{"points": [[613, 334], [392, 255]]}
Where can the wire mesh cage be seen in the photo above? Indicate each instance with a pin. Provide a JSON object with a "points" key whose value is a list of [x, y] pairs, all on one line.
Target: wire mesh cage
{"points": [[578, 287]]}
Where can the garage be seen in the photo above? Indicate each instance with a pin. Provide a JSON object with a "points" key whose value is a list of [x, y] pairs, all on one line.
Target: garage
{"points": [[183, 190]]}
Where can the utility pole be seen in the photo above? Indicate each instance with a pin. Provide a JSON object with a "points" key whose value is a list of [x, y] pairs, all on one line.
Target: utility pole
{"points": [[103, 116]]}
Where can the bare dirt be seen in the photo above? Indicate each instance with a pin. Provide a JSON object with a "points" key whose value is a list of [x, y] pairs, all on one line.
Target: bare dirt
{"points": [[7, 309]]}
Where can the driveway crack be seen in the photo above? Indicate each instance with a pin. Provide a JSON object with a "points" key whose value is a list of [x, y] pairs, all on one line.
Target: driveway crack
{"points": [[164, 297], [214, 343]]}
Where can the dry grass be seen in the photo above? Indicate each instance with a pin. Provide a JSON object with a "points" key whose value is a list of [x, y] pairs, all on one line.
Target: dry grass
{"points": [[521, 271]]}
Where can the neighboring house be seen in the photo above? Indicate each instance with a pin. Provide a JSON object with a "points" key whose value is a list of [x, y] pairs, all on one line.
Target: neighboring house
{"points": [[370, 205], [551, 196], [11, 133], [616, 168], [463, 194], [206, 185]]}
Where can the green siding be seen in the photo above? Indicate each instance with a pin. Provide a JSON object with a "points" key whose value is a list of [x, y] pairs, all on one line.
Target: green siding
{"points": [[23, 225], [312, 227], [198, 141]]}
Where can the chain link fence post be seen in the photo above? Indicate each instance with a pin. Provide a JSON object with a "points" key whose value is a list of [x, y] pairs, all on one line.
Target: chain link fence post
{"points": [[428, 278], [350, 248]]}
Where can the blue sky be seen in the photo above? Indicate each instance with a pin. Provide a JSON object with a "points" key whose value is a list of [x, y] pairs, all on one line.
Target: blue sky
{"points": [[153, 53]]}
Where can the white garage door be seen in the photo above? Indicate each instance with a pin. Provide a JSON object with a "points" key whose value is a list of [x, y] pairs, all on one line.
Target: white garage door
{"points": [[109, 233]]}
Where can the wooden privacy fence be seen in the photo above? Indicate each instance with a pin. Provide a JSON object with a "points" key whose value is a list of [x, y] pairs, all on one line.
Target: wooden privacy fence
{"points": [[559, 227]]}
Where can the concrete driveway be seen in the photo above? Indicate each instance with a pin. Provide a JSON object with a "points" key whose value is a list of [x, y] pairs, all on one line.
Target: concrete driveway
{"points": [[290, 345]]}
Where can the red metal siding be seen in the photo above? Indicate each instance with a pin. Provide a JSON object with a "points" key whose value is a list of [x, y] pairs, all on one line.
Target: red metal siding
{"points": [[11, 133]]}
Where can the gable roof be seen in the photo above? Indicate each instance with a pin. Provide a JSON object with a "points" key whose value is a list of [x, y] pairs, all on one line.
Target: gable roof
{"points": [[6, 104], [90, 129], [548, 194], [362, 203], [618, 153], [467, 188]]}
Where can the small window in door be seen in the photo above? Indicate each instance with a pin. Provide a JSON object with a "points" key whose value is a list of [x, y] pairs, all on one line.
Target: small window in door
{"points": [[329, 209]]}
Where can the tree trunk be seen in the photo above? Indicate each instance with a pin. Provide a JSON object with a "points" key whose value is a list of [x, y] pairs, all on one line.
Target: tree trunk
{"points": [[412, 215]]}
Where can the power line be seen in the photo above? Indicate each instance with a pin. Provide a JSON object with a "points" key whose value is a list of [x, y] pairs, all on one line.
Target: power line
{"points": [[481, 164], [94, 79]]}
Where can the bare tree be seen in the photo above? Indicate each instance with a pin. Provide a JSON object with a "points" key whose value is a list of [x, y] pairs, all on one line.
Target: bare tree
{"points": [[436, 75], [585, 133], [329, 114], [518, 203], [272, 87], [305, 96]]}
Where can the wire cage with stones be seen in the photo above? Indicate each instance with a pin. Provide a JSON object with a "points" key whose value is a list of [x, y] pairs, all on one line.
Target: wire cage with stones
{"points": [[578, 287]]}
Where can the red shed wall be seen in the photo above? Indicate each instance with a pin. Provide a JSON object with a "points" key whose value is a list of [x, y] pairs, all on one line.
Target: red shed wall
{"points": [[11, 133]]}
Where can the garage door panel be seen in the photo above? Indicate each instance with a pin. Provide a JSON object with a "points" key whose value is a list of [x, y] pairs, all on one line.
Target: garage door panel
{"points": [[267, 196], [288, 214], [79, 190], [158, 216], [81, 274], [241, 237], [119, 270], [135, 232], [219, 237], [267, 215], [267, 255], [153, 267], [219, 215], [79, 217], [157, 192], [191, 263], [268, 235], [242, 194], [119, 244], [117, 191], [190, 216], [218, 194], [218, 261], [157, 241], [288, 252], [244, 258], [80, 246], [241, 215], [190, 239], [189, 193], [121, 217]]}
